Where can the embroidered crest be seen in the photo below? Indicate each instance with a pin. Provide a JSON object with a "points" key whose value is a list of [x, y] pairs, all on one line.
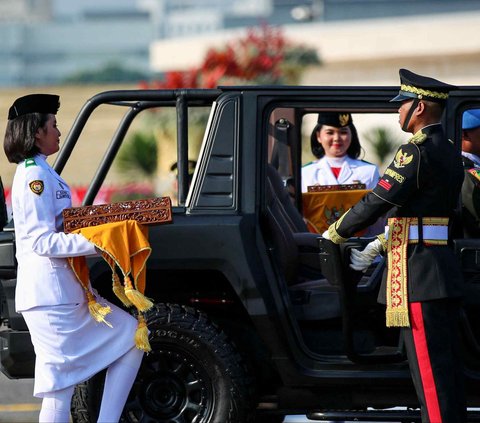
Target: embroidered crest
{"points": [[36, 186], [343, 118], [402, 159], [334, 214]]}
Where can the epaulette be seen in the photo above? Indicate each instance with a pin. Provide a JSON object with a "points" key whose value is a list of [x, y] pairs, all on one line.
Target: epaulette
{"points": [[30, 162], [418, 138]]}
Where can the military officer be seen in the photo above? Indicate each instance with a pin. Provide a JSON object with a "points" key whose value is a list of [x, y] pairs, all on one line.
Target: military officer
{"points": [[334, 142], [422, 286], [471, 183], [70, 346]]}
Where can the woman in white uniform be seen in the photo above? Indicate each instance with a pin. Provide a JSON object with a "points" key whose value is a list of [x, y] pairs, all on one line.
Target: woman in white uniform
{"points": [[70, 346], [335, 144]]}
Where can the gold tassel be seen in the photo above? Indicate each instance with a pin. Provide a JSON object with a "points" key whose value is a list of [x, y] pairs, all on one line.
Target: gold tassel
{"points": [[119, 291], [98, 311], [141, 335], [139, 300], [397, 319]]}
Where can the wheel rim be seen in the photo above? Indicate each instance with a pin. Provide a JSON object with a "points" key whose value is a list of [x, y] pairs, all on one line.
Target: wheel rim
{"points": [[172, 386]]}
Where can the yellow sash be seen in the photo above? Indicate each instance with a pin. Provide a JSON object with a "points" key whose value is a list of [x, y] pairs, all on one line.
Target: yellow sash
{"points": [[397, 276]]}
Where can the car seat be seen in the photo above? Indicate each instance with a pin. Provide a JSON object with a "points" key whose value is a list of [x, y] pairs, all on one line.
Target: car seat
{"points": [[297, 253]]}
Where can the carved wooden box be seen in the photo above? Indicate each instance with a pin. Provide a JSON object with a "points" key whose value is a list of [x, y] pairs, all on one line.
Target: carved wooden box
{"points": [[341, 187], [152, 211]]}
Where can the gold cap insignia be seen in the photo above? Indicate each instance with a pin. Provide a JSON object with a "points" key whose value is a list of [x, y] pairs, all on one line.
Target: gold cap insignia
{"points": [[36, 187], [402, 159], [343, 118]]}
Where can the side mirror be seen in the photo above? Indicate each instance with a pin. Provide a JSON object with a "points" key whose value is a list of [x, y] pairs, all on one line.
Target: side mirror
{"points": [[3, 207]]}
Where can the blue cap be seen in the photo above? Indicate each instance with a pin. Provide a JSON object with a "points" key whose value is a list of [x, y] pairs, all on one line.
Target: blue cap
{"points": [[471, 119]]}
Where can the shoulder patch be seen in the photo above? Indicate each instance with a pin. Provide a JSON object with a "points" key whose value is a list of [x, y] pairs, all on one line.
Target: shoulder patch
{"points": [[30, 162], [402, 159], [475, 172], [36, 186], [418, 138]]}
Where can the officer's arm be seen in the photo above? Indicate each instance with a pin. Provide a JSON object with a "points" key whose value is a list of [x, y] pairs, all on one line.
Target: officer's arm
{"points": [[393, 190]]}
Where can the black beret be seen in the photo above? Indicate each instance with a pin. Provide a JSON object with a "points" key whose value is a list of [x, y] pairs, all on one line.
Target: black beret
{"points": [[421, 87], [34, 103], [337, 119]]}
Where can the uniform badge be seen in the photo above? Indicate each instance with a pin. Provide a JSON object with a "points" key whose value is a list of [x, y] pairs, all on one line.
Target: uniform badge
{"points": [[36, 187], [343, 118], [402, 159], [475, 172], [385, 184]]}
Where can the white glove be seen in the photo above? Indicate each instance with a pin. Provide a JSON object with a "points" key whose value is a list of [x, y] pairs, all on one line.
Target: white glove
{"points": [[361, 260], [325, 235]]}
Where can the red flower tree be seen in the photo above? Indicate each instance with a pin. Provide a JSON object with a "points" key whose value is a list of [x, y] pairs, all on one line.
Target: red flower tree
{"points": [[261, 56]]}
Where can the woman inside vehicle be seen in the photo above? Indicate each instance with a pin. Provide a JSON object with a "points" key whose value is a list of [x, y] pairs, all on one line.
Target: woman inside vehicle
{"points": [[335, 144]]}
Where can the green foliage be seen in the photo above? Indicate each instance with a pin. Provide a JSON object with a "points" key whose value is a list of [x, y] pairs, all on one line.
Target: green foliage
{"points": [[110, 73], [383, 141], [138, 155]]}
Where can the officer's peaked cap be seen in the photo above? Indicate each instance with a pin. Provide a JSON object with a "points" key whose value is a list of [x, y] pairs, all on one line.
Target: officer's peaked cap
{"points": [[471, 119], [421, 87], [34, 103]]}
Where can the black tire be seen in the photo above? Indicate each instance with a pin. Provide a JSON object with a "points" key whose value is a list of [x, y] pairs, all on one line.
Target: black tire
{"points": [[193, 375]]}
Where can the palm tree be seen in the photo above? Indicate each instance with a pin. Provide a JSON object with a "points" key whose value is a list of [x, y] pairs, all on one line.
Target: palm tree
{"points": [[383, 141], [138, 155]]}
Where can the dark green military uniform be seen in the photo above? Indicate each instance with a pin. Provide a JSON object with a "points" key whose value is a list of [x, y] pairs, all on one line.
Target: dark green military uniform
{"points": [[471, 200]]}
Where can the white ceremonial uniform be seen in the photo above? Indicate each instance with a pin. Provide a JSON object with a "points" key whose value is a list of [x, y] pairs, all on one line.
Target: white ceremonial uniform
{"points": [[44, 275], [70, 346], [352, 171]]}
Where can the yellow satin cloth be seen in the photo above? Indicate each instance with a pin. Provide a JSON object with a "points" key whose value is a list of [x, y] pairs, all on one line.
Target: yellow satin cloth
{"points": [[321, 209], [124, 246]]}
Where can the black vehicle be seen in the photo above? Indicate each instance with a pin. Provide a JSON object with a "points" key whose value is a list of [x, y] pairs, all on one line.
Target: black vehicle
{"points": [[255, 316]]}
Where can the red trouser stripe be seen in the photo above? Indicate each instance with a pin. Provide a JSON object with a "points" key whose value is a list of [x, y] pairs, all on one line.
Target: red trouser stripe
{"points": [[424, 364]]}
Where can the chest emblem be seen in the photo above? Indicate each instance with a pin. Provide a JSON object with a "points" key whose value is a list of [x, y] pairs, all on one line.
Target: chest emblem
{"points": [[36, 186], [402, 159]]}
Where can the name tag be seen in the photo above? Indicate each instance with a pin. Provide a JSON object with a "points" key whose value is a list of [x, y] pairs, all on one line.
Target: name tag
{"points": [[61, 193]]}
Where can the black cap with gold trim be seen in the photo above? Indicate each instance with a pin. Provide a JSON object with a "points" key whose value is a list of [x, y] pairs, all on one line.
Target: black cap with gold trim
{"points": [[34, 103], [414, 86]]}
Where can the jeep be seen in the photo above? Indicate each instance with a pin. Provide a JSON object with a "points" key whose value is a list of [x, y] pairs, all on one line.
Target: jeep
{"points": [[255, 316]]}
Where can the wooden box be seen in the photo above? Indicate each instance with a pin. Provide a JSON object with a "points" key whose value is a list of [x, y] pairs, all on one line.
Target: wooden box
{"points": [[152, 211], [341, 187]]}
